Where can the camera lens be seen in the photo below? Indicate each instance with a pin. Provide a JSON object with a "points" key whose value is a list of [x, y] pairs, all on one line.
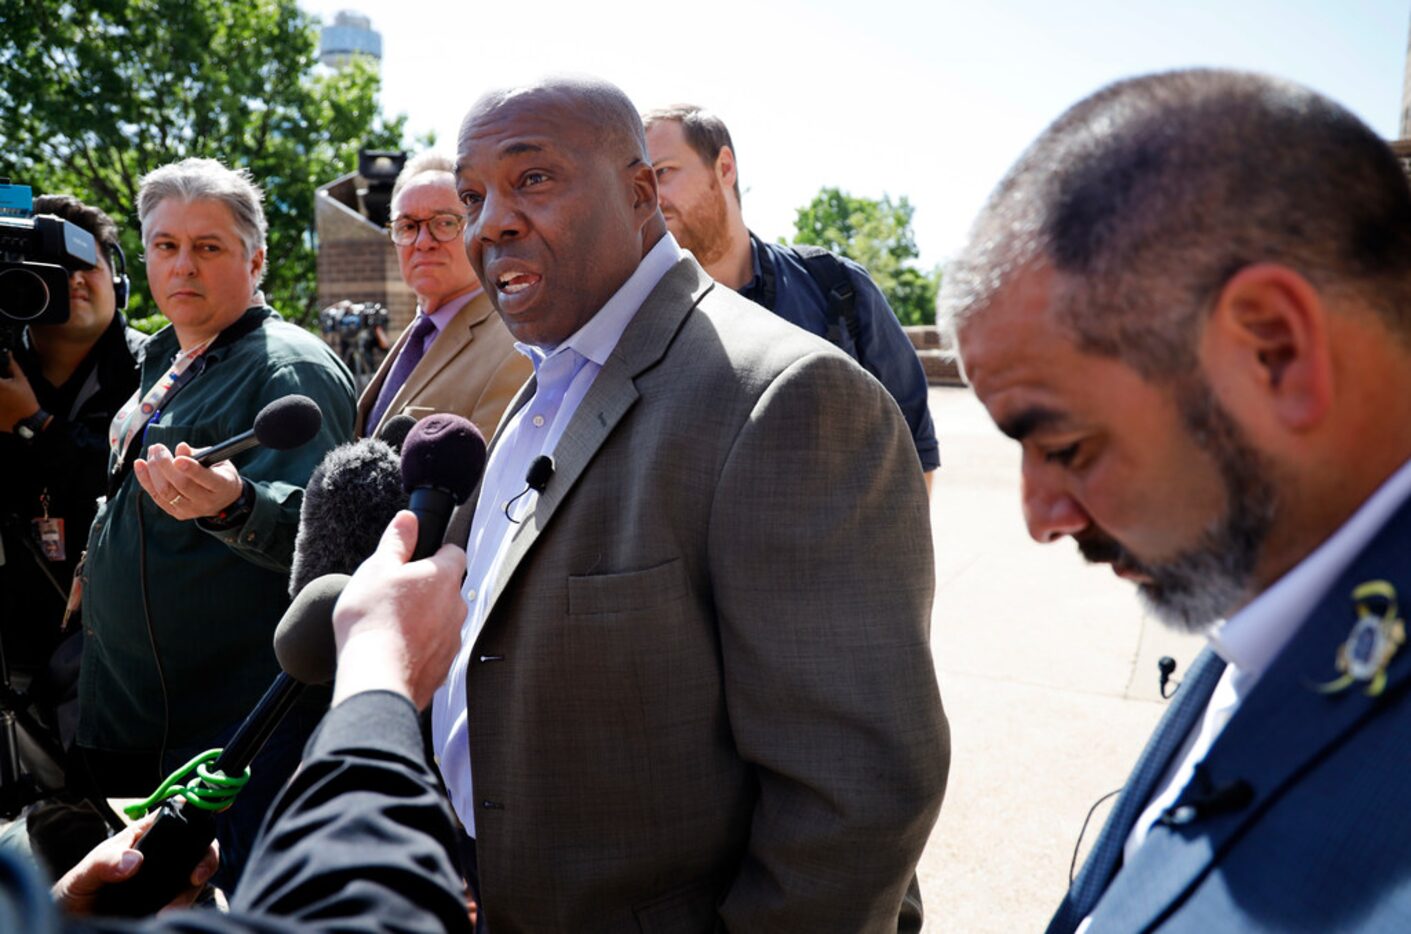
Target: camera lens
{"points": [[23, 294]]}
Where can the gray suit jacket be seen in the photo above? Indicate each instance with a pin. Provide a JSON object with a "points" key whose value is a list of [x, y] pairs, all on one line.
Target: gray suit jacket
{"points": [[472, 370], [704, 692]]}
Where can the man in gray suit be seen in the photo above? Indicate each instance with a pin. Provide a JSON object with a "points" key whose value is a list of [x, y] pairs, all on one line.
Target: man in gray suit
{"points": [[1190, 303], [695, 686]]}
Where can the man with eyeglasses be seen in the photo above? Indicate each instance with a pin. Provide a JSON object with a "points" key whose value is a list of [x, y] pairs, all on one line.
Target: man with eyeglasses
{"points": [[457, 356]]}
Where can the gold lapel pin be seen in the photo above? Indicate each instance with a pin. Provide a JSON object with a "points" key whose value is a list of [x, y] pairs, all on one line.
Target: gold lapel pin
{"points": [[1374, 639]]}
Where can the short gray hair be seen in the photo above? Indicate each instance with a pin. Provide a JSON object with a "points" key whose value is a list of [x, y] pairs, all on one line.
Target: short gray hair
{"points": [[1149, 195], [422, 164], [194, 179]]}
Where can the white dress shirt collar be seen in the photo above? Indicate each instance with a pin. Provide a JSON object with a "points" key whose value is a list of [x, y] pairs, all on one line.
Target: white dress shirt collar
{"points": [[1254, 636], [597, 337]]}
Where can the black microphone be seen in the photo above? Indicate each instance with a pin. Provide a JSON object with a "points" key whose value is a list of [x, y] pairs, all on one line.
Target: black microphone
{"points": [[394, 430], [443, 456], [536, 478], [1167, 666], [282, 425], [348, 501], [442, 460], [1202, 798], [303, 640]]}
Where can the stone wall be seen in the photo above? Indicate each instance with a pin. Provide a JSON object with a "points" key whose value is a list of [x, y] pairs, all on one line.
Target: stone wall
{"points": [[939, 370]]}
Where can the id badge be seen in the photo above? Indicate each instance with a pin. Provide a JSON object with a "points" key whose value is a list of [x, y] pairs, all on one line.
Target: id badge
{"points": [[49, 533]]}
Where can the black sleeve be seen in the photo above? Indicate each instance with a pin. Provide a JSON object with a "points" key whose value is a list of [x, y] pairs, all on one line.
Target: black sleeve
{"points": [[360, 840]]}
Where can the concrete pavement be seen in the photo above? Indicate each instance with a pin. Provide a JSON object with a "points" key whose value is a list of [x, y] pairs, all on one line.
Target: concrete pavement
{"points": [[1048, 672]]}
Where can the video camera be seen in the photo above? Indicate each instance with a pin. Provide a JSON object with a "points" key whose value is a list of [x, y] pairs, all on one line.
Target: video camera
{"points": [[37, 255]]}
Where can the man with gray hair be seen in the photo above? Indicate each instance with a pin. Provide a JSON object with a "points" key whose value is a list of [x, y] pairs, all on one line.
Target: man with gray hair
{"points": [[456, 356], [1190, 303], [187, 565]]}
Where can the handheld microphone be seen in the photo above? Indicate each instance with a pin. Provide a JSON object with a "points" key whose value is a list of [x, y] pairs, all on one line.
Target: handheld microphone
{"points": [[348, 501], [442, 457], [442, 460], [394, 430], [282, 425]]}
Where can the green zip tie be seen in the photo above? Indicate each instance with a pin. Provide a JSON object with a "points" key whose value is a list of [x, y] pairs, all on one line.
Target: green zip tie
{"points": [[209, 791]]}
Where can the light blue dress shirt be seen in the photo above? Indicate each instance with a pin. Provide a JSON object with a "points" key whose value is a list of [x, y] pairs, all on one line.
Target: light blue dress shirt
{"points": [[562, 376]]}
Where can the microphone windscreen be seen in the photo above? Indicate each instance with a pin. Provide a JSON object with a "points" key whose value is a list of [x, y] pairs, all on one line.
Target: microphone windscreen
{"points": [[443, 452], [348, 501], [287, 423], [303, 640], [394, 430]]}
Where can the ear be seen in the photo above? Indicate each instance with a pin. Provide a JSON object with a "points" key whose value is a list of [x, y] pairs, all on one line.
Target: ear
{"points": [[725, 168], [1265, 347], [643, 179], [257, 265]]}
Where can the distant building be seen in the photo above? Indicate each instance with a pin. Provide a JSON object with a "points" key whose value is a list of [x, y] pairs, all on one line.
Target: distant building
{"points": [[351, 34]]}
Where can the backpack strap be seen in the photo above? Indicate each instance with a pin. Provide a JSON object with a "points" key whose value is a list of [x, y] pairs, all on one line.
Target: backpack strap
{"points": [[832, 277]]}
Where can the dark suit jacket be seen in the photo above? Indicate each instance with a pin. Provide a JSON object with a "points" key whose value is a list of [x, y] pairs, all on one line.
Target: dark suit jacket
{"points": [[472, 370], [1322, 845], [358, 841], [704, 693]]}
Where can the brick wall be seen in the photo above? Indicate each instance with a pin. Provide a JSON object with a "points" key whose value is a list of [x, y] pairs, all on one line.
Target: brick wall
{"points": [[356, 259]]}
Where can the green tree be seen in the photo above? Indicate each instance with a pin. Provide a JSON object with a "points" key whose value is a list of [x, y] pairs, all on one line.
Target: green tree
{"points": [[95, 93], [878, 235]]}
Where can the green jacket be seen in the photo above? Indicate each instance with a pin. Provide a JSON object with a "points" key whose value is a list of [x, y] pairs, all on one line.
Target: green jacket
{"points": [[179, 617]]}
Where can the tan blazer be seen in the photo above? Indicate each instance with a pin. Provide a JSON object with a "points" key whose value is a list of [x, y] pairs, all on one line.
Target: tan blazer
{"points": [[704, 692], [472, 369]]}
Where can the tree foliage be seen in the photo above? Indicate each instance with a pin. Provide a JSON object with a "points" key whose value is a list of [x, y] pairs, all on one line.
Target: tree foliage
{"points": [[95, 93], [877, 234]]}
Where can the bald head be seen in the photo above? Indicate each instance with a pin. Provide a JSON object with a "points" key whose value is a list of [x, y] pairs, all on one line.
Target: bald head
{"points": [[604, 115], [560, 199]]}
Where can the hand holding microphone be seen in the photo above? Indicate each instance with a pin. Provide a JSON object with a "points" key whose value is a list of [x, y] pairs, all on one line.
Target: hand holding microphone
{"points": [[195, 483], [397, 623]]}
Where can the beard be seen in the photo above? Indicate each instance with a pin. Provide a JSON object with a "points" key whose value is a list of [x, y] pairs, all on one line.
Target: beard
{"points": [[1197, 586], [704, 227]]}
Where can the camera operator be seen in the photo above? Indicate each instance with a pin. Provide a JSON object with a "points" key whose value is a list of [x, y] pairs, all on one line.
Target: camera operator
{"points": [[58, 393]]}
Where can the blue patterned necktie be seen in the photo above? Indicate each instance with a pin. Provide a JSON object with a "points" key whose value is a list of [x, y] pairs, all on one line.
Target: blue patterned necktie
{"points": [[412, 352], [1187, 707]]}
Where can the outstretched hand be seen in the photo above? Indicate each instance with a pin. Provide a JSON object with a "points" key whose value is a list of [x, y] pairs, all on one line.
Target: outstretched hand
{"points": [[182, 488], [397, 624]]}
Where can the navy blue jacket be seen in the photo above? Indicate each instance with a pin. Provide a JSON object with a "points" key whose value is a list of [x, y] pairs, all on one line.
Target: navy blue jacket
{"points": [[1318, 842], [882, 348]]}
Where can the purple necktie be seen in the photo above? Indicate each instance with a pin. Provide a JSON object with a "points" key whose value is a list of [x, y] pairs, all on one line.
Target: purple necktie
{"points": [[402, 367]]}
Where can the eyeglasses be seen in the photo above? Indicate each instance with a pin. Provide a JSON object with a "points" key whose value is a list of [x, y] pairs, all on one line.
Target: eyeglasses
{"points": [[442, 227]]}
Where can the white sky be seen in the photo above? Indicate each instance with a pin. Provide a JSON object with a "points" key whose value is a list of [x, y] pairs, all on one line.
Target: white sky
{"points": [[932, 100]]}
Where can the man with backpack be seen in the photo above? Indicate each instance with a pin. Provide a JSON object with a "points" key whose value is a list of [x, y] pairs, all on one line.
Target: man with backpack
{"points": [[819, 291]]}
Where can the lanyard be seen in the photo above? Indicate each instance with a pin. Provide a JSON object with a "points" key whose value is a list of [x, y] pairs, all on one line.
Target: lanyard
{"points": [[133, 417]]}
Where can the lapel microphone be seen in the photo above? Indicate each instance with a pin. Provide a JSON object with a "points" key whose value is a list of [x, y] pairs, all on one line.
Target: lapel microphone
{"points": [[1203, 798], [1167, 666], [536, 478]]}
